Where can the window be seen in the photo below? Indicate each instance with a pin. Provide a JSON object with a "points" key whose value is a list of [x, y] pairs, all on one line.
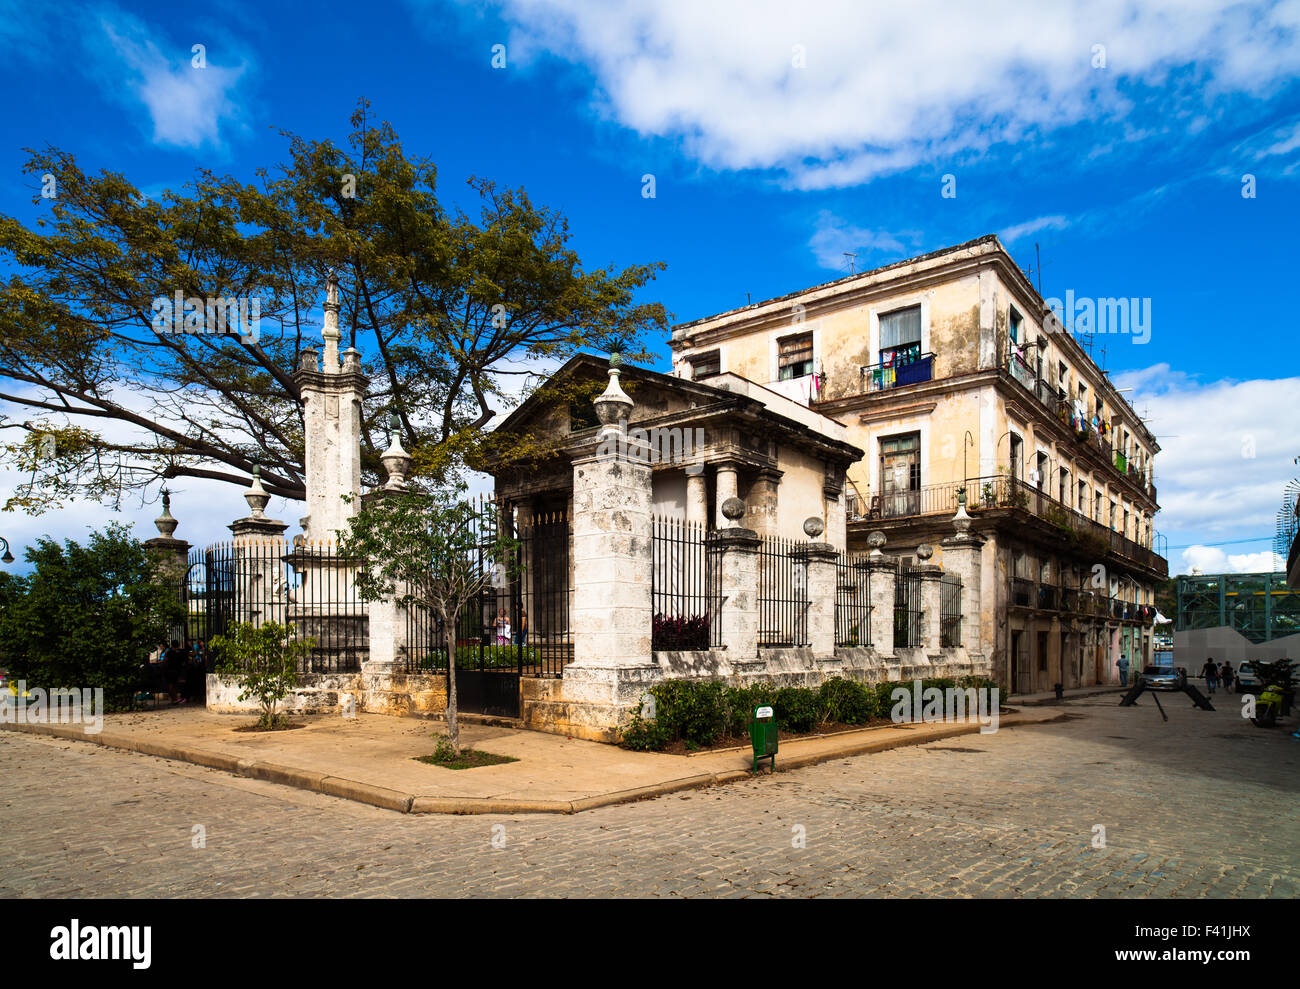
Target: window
{"points": [[705, 365], [1082, 504], [900, 337], [794, 356], [1113, 509], [1017, 326], [900, 474], [1062, 379]]}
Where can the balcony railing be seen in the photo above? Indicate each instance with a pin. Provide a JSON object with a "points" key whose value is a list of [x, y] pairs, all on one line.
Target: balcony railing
{"points": [[882, 377], [1090, 538]]}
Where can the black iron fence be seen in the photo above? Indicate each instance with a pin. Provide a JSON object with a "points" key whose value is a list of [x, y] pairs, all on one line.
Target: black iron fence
{"points": [[519, 622], [907, 609], [685, 589], [950, 611], [306, 586], [853, 601], [782, 594]]}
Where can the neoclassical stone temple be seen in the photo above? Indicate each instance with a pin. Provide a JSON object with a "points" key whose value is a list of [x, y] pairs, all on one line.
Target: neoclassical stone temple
{"points": [[693, 530]]}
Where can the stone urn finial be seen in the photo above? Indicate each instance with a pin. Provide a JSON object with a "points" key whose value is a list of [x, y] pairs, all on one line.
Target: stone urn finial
{"points": [[256, 495], [733, 510], [813, 527], [397, 462], [961, 519], [876, 540], [613, 406], [165, 523], [924, 551]]}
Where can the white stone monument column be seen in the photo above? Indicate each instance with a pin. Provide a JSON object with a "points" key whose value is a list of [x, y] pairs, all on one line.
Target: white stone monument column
{"points": [[931, 600], [257, 547], [331, 397]]}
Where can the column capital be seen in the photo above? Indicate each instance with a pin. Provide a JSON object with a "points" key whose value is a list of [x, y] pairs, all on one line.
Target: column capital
{"points": [[815, 552], [734, 539]]}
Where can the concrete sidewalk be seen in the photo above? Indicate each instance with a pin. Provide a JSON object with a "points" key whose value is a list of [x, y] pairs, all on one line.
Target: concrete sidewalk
{"points": [[372, 759]]}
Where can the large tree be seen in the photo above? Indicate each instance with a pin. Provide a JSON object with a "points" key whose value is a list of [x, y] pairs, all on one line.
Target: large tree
{"points": [[445, 307]]}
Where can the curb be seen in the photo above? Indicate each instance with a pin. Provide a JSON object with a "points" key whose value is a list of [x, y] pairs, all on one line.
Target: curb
{"points": [[408, 803]]}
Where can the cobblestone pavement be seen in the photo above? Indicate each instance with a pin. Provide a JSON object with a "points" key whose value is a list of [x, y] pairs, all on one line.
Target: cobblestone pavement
{"points": [[1201, 805]]}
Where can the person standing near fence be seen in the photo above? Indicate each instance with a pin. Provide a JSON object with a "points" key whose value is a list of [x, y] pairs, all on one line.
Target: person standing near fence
{"points": [[521, 633], [1226, 674]]}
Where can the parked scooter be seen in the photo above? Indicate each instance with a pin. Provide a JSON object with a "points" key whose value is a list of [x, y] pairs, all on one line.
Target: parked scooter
{"points": [[1268, 706]]}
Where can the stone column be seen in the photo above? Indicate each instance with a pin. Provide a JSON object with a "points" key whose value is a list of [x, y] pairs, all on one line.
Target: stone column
{"points": [[881, 571], [931, 606], [612, 565], [332, 415], [697, 496], [760, 506], [820, 560], [172, 557], [260, 592], [738, 585], [963, 555], [727, 488], [388, 626]]}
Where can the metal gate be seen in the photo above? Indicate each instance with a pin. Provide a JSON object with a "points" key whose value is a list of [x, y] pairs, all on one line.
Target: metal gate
{"points": [[519, 624]]}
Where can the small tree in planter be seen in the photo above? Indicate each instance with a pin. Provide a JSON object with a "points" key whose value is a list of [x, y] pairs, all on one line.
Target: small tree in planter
{"points": [[264, 659], [427, 552]]}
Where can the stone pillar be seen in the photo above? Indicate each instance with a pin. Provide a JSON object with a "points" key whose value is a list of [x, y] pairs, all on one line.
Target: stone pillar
{"points": [[963, 556], [611, 544], [697, 497], [881, 571], [738, 585], [727, 488], [820, 560], [172, 557], [332, 415], [760, 514], [931, 606], [260, 591], [387, 627]]}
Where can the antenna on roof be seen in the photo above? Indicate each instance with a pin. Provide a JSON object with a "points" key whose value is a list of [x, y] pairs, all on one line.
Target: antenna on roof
{"points": [[1039, 262], [852, 257]]}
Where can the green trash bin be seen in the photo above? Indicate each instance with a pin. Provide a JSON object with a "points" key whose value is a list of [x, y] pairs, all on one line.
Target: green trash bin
{"points": [[762, 733]]}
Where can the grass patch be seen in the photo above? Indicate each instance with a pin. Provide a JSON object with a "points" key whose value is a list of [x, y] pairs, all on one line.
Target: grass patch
{"points": [[448, 758]]}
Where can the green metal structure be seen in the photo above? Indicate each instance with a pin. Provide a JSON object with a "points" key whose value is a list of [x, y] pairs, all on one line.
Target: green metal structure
{"points": [[1258, 605]]}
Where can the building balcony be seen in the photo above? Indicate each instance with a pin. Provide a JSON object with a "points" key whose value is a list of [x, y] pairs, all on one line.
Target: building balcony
{"points": [[882, 377], [1088, 538]]}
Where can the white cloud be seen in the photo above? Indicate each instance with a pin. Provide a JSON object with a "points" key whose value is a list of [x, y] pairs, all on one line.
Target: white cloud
{"points": [[1211, 559], [1226, 451], [1011, 234], [833, 237], [187, 104], [885, 86]]}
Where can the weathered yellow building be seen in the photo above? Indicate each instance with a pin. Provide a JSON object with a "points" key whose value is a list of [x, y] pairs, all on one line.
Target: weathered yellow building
{"points": [[958, 381]]}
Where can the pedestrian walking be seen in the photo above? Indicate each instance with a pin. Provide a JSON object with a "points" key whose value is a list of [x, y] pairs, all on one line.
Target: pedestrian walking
{"points": [[1227, 676], [1211, 673]]}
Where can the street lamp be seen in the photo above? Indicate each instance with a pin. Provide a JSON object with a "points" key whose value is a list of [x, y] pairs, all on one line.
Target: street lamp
{"points": [[8, 557]]}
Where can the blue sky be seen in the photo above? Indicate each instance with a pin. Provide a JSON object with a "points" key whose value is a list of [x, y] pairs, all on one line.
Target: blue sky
{"points": [[1116, 136]]}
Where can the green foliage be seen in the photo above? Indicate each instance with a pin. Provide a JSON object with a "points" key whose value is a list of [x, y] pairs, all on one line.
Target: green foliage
{"points": [[1281, 672], [264, 659], [440, 303], [700, 712], [87, 616]]}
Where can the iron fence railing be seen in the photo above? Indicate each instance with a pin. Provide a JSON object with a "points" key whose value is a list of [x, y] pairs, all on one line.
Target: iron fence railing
{"points": [[306, 586], [685, 591], [907, 609], [782, 594], [882, 377], [519, 622], [853, 601], [950, 611]]}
